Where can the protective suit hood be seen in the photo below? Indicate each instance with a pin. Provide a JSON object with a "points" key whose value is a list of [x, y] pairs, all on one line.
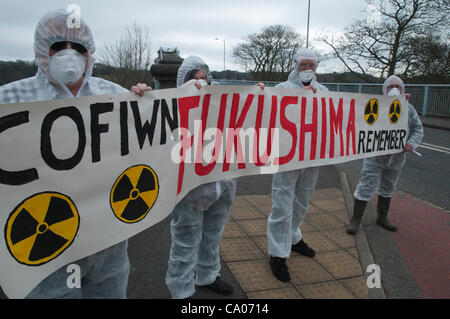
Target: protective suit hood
{"points": [[306, 54], [189, 64], [303, 54], [393, 79], [52, 28]]}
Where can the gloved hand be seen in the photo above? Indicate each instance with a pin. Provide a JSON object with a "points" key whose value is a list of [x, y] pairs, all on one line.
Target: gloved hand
{"points": [[408, 148], [310, 87], [140, 89]]}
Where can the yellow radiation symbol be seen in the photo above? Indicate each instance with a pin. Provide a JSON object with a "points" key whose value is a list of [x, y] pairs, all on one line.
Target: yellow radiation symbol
{"points": [[41, 228], [371, 111], [134, 193], [394, 111]]}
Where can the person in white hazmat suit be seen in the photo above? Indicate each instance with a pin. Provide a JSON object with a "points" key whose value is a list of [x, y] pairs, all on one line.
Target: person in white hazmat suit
{"points": [[380, 174], [291, 190], [65, 60], [199, 219]]}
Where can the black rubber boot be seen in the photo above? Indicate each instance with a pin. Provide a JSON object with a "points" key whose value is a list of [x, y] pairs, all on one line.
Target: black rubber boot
{"points": [[358, 211], [382, 211]]}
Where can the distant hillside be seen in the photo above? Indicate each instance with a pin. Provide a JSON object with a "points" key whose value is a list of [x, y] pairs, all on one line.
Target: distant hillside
{"points": [[232, 75], [16, 70], [346, 77], [11, 71]]}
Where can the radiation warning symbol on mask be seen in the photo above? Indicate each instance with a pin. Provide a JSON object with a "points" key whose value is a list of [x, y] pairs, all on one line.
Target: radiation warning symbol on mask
{"points": [[394, 111], [371, 111], [134, 193], [41, 227]]}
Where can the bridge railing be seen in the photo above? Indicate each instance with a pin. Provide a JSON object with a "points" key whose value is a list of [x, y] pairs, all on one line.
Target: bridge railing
{"points": [[428, 99]]}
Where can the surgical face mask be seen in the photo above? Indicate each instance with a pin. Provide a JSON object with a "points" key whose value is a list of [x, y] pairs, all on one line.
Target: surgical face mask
{"points": [[193, 81], [307, 76], [67, 66], [202, 82], [394, 92]]}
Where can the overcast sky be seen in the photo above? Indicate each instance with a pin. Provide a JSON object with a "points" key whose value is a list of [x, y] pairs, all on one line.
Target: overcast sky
{"points": [[191, 26]]}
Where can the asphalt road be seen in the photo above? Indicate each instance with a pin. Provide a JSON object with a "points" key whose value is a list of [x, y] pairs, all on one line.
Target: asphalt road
{"points": [[427, 177]]}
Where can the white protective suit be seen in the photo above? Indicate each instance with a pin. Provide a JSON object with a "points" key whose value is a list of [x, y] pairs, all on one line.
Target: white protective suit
{"points": [[198, 222], [291, 190], [380, 174], [104, 274]]}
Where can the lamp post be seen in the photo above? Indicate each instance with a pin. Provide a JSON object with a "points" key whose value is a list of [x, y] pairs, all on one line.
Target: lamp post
{"points": [[307, 28], [223, 51]]}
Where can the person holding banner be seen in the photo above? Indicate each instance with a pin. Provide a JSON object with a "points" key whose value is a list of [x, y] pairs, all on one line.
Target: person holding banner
{"points": [[291, 190], [199, 219], [380, 174], [65, 58]]}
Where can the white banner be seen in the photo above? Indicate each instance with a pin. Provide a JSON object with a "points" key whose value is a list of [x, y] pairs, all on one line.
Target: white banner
{"points": [[80, 175]]}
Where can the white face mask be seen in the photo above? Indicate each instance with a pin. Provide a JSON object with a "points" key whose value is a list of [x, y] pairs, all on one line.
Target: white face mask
{"points": [[193, 81], [394, 92], [307, 76], [202, 82], [67, 66]]}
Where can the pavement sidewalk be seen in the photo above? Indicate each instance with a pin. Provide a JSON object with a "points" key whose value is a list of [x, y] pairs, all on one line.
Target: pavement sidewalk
{"points": [[442, 123], [337, 271]]}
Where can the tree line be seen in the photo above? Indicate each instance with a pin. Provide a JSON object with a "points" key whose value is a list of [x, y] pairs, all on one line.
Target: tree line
{"points": [[16, 70]]}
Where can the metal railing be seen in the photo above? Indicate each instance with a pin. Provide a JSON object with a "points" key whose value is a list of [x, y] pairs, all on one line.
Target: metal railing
{"points": [[428, 99]]}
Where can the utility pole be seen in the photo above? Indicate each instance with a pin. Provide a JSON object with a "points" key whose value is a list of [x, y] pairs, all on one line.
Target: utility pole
{"points": [[307, 30], [223, 51]]}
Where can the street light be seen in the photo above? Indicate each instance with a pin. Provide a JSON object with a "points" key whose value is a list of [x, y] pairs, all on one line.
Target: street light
{"points": [[307, 30], [223, 51]]}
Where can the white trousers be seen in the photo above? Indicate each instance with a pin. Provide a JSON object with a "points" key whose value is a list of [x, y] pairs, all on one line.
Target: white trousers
{"points": [[290, 202]]}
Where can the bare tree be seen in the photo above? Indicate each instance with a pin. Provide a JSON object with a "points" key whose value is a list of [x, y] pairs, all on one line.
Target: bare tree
{"points": [[383, 47], [430, 59], [269, 54], [130, 58]]}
